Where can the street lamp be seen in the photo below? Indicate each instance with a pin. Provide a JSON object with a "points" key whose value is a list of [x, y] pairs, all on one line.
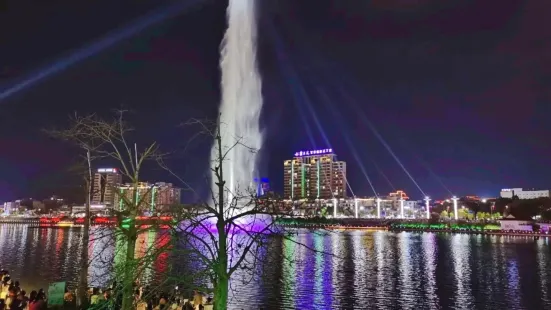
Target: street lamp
{"points": [[402, 208], [455, 207], [378, 207], [427, 199]]}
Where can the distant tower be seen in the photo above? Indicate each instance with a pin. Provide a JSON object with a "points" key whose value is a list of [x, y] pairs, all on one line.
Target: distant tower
{"points": [[106, 181]]}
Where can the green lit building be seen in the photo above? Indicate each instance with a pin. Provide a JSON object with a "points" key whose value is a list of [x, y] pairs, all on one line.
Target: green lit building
{"points": [[315, 174], [151, 197]]}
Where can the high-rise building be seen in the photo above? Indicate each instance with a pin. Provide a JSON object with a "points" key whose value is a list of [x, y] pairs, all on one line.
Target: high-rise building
{"points": [[315, 174], [151, 197], [106, 181]]}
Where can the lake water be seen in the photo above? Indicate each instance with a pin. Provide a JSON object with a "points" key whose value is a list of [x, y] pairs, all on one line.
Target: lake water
{"points": [[366, 270]]}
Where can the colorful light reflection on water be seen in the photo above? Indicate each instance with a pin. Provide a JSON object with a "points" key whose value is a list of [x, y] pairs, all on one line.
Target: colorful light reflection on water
{"points": [[372, 270]]}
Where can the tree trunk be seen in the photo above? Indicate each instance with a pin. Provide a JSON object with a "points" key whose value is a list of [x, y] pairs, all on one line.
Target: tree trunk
{"points": [[221, 289], [131, 236], [128, 272], [222, 284], [83, 278], [84, 263]]}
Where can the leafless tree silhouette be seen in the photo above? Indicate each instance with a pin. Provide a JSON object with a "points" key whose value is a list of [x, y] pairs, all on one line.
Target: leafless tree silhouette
{"points": [[225, 236], [101, 139], [229, 234]]}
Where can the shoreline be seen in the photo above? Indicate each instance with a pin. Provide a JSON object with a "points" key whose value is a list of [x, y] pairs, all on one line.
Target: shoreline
{"points": [[474, 232], [452, 231], [341, 224]]}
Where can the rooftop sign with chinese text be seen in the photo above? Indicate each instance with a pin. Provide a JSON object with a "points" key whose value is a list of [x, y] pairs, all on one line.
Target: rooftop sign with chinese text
{"points": [[107, 170], [313, 152]]}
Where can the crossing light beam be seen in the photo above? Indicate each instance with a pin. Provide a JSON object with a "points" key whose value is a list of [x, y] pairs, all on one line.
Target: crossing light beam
{"points": [[98, 46]]}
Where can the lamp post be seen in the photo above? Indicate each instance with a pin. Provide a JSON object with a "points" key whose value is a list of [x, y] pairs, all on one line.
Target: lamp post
{"points": [[427, 199], [455, 207], [378, 207], [335, 207], [402, 208], [356, 207]]}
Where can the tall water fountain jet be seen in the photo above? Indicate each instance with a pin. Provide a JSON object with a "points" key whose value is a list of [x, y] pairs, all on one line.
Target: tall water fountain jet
{"points": [[241, 99]]}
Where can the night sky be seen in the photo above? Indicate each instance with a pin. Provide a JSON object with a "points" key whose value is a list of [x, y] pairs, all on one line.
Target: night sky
{"points": [[460, 90]]}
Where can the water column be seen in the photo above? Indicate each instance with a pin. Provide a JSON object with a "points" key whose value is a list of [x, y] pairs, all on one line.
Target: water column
{"points": [[241, 99], [335, 203], [455, 207], [402, 208], [356, 207]]}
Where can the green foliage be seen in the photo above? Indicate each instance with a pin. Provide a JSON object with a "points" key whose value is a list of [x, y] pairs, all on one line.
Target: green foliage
{"points": [[483, 216], [463, 213], [324, 212]]}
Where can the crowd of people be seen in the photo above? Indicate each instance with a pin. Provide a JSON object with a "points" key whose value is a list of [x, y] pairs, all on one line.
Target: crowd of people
{"points": [[147, 299], [175, 301], [13, 297]]}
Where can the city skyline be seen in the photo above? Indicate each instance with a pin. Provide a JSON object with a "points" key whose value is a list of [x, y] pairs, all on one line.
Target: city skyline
{"points": [[440, 96], [105, 180], [328, 154]]}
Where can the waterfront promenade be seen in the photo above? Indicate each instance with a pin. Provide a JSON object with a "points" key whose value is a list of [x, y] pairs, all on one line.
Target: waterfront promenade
{"points": [[396, 225], [408, 225]]}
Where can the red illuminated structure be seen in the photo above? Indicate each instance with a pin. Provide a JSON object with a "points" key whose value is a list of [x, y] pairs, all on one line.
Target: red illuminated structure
{"points": [[162, 222]]}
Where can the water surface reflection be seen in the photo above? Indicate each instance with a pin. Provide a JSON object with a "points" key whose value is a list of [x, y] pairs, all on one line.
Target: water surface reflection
{"points": [[366, 270]]}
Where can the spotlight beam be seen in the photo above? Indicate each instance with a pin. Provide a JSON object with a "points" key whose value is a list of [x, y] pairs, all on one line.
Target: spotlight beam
{"points": [[381, 139], [362, 115], [297, 95], [98, 46], [327, 102], [425, 164]]}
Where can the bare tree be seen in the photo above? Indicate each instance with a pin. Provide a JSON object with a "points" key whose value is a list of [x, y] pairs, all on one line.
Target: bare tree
{"points": [[107, 139], [74, 134], [227, 233]]}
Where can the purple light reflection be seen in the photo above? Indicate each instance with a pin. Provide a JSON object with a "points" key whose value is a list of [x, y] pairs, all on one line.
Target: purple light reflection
{"points": [[243, 282], [306, 274], [252, 224]]}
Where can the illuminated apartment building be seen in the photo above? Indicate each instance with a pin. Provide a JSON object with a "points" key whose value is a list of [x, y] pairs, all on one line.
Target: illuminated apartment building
{"points": [[106, 181], [150, 197], [315, 175]]}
